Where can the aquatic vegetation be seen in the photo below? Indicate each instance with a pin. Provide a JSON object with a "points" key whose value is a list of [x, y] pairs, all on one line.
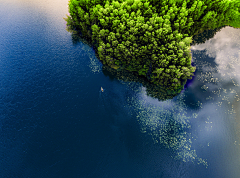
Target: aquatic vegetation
{"points": [[168, 123], [150, 37]]}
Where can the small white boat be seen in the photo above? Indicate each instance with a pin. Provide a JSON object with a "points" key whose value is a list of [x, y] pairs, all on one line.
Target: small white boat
{"points": [[102, 89]]}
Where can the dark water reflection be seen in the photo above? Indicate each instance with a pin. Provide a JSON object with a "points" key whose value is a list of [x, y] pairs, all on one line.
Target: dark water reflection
{"points": [[55, 122]]}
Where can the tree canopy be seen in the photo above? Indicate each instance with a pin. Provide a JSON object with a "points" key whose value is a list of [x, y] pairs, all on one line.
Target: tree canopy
{"points": [[151, 37]]}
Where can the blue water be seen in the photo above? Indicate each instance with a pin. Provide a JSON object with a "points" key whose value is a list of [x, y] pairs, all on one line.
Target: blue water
{"points": [[56, 123]]}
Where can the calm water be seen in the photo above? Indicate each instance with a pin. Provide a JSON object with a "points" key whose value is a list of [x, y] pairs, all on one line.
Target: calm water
{"points": [[55, 122]]}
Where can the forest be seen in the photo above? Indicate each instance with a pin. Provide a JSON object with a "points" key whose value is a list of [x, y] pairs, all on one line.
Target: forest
{"points": [[150, 37]]}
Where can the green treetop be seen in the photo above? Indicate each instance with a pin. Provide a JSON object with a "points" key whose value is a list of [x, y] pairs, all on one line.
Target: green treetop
{"points": [[151, 37]]}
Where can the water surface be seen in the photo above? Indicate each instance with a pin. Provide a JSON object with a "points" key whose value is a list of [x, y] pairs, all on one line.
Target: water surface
{"points": [[55, 122]]}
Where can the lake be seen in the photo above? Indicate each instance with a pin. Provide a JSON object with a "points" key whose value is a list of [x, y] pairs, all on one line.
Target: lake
{"points": [[56, 123]]}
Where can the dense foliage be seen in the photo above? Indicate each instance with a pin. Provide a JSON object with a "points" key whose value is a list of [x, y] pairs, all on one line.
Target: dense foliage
{"points": [[151, 37]]}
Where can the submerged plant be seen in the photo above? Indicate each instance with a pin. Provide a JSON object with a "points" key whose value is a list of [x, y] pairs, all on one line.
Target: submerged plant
{"points": [[151, 37]]}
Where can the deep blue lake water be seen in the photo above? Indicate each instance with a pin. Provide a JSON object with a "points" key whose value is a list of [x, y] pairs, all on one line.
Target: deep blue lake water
{"points": [[55, 122]]}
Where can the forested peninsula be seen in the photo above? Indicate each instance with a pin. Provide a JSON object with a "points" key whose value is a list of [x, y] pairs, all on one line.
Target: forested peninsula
{"points": [[151, 37]]}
